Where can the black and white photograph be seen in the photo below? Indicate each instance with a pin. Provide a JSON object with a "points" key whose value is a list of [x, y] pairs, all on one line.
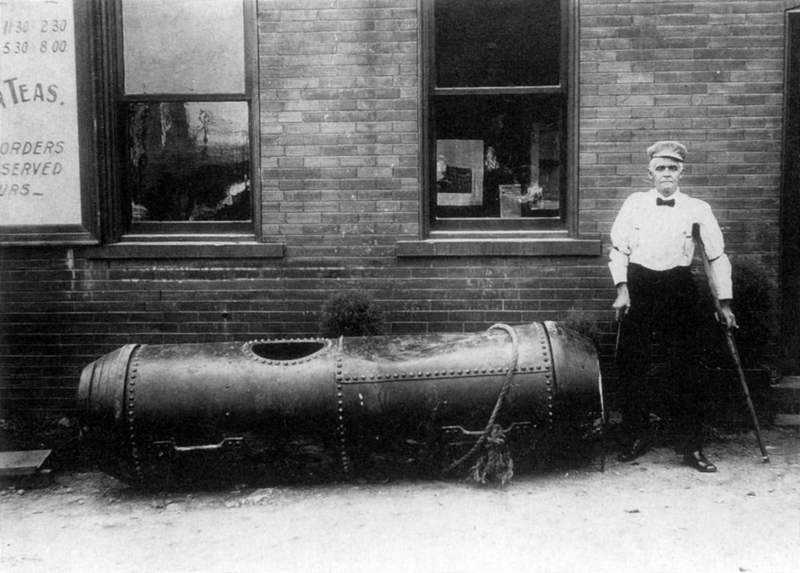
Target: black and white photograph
{"points": [[399, 286]]}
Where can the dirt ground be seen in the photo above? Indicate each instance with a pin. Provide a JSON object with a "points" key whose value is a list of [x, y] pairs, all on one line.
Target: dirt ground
{"points": [[653, 515]]}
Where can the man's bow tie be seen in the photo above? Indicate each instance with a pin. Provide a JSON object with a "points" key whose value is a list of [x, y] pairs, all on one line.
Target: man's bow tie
{"points": [[668, 202]]}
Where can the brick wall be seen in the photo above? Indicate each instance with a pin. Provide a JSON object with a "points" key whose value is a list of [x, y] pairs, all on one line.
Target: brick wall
{"points": [[709, 74], [339, 119], [340, 176]]}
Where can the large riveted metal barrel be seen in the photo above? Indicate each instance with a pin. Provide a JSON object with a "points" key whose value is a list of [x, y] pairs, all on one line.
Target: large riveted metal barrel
{"points": [[164, 409]]}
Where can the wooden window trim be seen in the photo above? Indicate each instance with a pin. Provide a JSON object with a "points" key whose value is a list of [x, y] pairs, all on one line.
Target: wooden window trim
{"points": [[115, 217], [88, 232], [558, 236]]}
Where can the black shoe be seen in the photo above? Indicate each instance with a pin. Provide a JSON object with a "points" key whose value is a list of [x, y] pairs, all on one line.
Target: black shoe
{"points": [[633, 450], [699, 462]]}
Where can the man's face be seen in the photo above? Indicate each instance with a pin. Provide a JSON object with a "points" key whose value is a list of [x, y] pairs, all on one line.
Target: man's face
{"points": [[665, 173]]}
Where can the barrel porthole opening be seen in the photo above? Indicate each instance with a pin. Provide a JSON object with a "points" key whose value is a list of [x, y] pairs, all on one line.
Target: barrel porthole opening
{"points": [[286, 350]]}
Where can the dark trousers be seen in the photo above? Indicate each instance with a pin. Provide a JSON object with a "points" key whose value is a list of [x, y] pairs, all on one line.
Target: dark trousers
{"points": [[664, 309]]}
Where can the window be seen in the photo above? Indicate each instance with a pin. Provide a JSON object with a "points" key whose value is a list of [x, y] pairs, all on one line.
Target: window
{"points": [[182, 117], [498, 147]]}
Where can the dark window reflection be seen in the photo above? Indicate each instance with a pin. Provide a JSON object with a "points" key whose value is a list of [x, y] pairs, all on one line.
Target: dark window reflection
{"points": [[189, 161], [482, 43], [498, 156]]}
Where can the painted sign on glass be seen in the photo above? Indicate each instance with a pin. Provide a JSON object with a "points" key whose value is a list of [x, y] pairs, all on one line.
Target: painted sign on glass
{"points": [[39, 152]]}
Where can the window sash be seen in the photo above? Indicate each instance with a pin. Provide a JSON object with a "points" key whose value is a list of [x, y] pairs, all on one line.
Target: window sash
{"points": [[207, 59], [566, 218], [119, 209]]}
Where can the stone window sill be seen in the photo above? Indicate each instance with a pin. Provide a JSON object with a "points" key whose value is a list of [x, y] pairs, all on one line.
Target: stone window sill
{"points": [[474, 247]]}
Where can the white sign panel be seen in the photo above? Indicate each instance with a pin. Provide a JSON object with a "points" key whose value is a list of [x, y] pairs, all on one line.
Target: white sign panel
{"points": [[39, 154]]}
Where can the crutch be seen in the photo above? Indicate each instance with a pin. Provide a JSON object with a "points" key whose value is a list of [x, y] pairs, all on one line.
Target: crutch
{"points": [[731, 342]]}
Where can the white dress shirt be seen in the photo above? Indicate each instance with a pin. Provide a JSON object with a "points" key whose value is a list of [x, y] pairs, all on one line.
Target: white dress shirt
{"points": [[660, 237]]}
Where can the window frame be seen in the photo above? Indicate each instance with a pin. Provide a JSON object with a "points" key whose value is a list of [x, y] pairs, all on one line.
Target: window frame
{"points": [[563, 226], [115, 204], [87, 232]]}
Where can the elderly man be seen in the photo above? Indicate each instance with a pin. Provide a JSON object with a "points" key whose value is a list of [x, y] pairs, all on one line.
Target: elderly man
{"points": [[651, 255]]}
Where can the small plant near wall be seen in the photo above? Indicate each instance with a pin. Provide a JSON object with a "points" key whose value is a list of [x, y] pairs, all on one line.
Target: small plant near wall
{"points": [[756, 309], [352, 313], [584, 323]]}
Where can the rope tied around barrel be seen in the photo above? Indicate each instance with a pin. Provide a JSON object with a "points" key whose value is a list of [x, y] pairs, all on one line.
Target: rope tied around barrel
{"points": [[494, 463]]}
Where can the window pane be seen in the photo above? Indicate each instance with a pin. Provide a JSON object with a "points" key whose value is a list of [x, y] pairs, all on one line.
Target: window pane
{"points": [[189, 161], [482, 43], [183, 46], [498, 156]]}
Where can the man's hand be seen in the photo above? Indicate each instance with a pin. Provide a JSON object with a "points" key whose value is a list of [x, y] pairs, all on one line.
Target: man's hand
{"points": [[623, 302], [727, 315]]}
